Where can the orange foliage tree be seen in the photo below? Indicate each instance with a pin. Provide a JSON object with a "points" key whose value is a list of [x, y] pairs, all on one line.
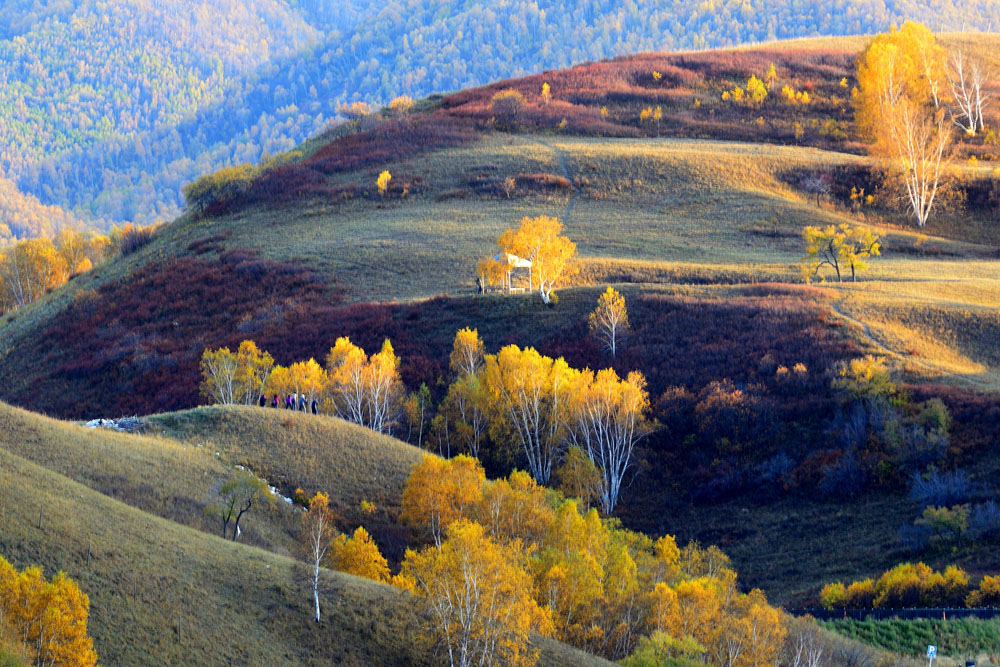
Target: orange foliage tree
{"points": [[478, 595], [439, 491], [49, 617], [602, 588], [359, 555], [540, 240]]}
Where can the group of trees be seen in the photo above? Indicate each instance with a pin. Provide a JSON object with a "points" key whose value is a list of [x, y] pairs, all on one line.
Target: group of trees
{"points": [[364, 389], [910, 94], [913, 585], [539, 240], [537, 407], [527, 405], [47, 618], [35, 266], [511, 556]]}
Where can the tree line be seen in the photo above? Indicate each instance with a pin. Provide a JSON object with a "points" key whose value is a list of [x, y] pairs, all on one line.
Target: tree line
{"points": [[516, 404], [913, 585], [31, 268]]}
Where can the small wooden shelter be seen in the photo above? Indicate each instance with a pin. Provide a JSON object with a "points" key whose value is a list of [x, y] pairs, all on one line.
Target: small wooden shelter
{"points": [[517, 268]]}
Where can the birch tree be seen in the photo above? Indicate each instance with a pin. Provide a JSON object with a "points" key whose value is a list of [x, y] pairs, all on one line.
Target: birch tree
{"points": [[899, 105], [317, 533], [609, 321], [528, 395], [28, 270], [607, 420], [366, 391], [467, 352], [253, 370], [479, 598], [220, 372], [541, 241], [967, 79]]}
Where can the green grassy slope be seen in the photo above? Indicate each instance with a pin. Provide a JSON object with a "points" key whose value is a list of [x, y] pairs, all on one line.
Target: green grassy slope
{"points": [[233, 602]]}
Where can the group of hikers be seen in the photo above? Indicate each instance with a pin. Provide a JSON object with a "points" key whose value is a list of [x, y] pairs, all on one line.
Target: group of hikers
{"points": [[292, 402]]}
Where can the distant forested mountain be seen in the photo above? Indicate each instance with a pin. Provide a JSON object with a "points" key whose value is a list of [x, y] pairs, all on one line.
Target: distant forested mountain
{"points": [[107, 108]]}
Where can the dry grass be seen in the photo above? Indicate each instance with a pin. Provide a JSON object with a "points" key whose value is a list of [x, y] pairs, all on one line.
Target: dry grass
{"points": [[233, 602], [154, 474], [315, 453]]}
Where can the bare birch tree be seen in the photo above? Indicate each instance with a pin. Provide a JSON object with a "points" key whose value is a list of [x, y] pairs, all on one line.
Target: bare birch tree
{"points": [[967, 79]]}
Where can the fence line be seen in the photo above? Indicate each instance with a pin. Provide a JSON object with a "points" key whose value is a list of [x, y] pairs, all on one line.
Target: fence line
{"points": [[904, 614]]}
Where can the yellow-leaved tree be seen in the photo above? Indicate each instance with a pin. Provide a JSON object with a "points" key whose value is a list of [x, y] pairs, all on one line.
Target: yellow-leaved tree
{"points": [[28, 270], [253, 370], [528, 396], [365, 390], [464, 407], [48, 617], [479, 597], [609, 321], [439, 491], [467, 352], [241, 377], [540, 240], [314, 540], [383, 182], [219, 373], [359, 555], [899, 106], [839, 247], [607, 418]]}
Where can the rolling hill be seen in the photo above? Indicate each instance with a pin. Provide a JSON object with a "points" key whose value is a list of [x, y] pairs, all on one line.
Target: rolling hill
{"points": [[165, 593], [697, 221], [107, 115]]}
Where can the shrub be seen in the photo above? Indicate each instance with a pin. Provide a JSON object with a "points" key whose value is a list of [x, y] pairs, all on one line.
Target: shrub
{"points": [[988, 594], [506, 107], [984, 520], [134, 238], [865, 378], [914, 538], [843, 477], [947, 523], [221, 186], [936, 488]]}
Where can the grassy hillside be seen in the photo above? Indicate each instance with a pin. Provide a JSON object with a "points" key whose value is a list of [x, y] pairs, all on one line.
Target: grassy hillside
{"points": [[157, 475], [176, 473], [701, 234], [147, 575], [295, 450]]}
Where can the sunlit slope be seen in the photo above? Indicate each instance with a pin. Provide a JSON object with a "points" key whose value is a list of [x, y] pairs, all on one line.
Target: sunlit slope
{"points": [[162, 593]]}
